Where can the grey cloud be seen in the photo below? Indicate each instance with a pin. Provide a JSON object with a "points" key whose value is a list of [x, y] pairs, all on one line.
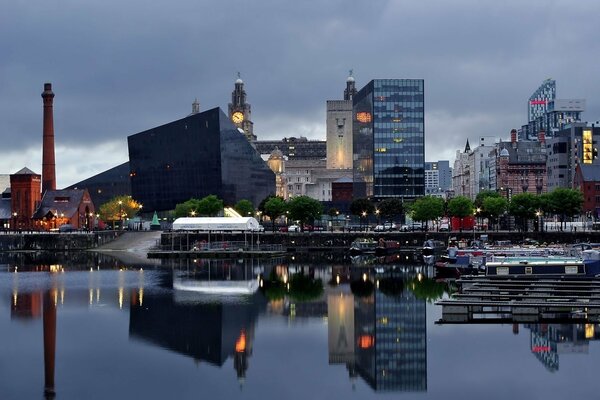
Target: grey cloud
{"points": [[122, 67]]}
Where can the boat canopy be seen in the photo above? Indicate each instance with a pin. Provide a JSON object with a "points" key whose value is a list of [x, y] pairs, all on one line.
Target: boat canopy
{"points": [[216, 224]]}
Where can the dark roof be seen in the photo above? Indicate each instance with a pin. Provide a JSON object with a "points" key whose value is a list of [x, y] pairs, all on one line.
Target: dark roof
{"points": [[525, 152], [344, 180], [25, 171], [59, 202], [591, 173]]}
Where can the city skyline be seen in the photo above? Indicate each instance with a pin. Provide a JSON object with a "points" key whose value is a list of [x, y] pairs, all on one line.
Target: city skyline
{"points": [[115, 74]]}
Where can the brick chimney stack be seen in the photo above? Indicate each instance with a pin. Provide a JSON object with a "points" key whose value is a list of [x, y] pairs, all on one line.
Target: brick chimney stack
{"points": [[542, 136], [48, 160]]}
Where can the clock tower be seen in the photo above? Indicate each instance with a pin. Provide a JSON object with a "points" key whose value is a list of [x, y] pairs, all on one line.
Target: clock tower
{"points": [[239, 110]]}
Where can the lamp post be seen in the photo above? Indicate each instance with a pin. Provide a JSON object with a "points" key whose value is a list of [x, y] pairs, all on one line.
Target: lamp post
{"points": [[14, 221], [121, 214], [377, 214], [140, 215], [364, 214]]}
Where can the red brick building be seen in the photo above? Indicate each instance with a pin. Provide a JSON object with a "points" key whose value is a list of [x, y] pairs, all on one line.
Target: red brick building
{"points": [[587, 180], [25, 193]]}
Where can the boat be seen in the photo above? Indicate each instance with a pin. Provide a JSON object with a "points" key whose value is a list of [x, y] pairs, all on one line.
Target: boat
{"points": [[385, 247], [591, 259], [363, 246], [431, 246], [535, 266]]}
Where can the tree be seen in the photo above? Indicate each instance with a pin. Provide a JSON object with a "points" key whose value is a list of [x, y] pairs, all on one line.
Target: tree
{"points": [[210, 206], [119, 208], [493, 207], [566, 203], [273, 208], [480, 200], [482, 195], [524, 206], [304, 209], [361, 207], [390, 208], [426, 209], [188, 208], [244, 208], [460, 207]]}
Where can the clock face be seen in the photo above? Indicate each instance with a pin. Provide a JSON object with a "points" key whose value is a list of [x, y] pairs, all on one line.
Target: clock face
{"points": [[237, 117]]}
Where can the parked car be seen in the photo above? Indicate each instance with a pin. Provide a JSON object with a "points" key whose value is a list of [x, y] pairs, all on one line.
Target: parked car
{"points": [[293, 228], [283, 229], [66, 228], [379, 228], [390, 226]]}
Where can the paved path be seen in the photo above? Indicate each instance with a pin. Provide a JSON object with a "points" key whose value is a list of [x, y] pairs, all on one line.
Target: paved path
{"points": [[132, 247]]}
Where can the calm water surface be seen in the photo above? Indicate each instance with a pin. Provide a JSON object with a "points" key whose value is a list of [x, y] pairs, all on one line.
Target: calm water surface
{"points": [[93, 327]]}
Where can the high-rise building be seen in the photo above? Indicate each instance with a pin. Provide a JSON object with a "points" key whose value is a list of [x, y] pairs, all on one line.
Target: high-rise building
{"points": [[389, 139], [239, 110], [547, 113], [538, 101], [339, 128]]}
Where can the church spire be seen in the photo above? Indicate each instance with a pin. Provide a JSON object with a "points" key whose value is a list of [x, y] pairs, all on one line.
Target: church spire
{"points": [[467, 147]]}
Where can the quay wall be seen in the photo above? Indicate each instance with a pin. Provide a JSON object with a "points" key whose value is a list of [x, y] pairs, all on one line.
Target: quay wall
{"points": [[55, 241], [292, 241]]}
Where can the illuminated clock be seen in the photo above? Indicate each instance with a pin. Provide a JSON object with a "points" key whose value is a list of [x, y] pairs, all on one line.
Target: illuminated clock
{"points": [[237, 117]]}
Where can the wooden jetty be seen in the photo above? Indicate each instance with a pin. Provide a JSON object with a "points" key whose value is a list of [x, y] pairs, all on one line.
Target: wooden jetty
{"points": [[523, 299]]}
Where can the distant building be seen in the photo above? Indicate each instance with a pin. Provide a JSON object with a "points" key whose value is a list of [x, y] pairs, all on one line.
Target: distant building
{"points": [[339, 129], [240, 111], [193, 157], [520, 167], [479, 160], [294, 148], [549, 114], [389, 139], [461, 173], [569, 147], [438, 178], [587, 180], [60, 207], [25, 192]]}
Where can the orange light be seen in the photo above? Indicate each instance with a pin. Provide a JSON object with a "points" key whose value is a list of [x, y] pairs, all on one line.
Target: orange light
{"points": [[365, 341], [240, 344], [363, 117]]}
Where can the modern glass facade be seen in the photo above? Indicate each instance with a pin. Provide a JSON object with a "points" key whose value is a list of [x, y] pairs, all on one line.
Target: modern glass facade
{"points": [[389, 139], [538, 101], [193, 157]]}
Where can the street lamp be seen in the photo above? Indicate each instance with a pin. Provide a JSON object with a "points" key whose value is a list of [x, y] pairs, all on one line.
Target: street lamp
{"points": [[121, 213], [15, 220], [193, 213], [364, 214]]}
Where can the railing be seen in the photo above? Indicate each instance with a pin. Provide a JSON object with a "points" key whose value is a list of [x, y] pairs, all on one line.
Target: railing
{"points": [[201, 246]]}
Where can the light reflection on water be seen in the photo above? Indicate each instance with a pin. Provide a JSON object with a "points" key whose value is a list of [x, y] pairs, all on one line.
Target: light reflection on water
{"points": [[347, 329]]}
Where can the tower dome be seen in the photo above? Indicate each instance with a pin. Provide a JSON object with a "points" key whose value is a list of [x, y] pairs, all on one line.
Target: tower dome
{"points": [[504, 153]]}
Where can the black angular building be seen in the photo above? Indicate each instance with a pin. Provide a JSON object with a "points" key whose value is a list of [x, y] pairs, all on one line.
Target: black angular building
{"points": [[193, 157], [107, 185]]}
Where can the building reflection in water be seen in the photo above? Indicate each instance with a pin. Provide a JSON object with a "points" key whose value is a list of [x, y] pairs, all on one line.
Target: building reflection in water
{"points": [[380, 333], [32, 306], [208, 328], [548, 341], [44, 299]]}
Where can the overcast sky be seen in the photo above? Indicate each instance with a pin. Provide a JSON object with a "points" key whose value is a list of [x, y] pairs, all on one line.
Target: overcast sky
{"points": [[120, 67]]}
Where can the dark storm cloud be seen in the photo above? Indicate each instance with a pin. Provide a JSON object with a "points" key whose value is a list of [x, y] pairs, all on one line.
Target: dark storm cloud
{"points": [[122, 67]]}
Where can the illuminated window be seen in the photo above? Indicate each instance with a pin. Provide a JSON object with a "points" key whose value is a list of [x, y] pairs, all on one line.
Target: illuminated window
{"points": [[364, 117]]}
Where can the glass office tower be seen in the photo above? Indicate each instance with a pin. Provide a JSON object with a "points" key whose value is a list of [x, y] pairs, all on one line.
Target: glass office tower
{"points": [[389, 139]]}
